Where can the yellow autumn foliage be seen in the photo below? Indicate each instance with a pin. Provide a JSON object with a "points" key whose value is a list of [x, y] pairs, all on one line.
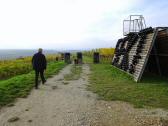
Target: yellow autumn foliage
{"points": [[10, 68]]}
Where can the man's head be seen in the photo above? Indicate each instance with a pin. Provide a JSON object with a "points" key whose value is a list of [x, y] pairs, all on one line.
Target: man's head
{"points": [[40, 50]]}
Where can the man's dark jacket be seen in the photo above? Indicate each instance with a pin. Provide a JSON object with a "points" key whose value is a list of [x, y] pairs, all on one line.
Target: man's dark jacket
{"points": [[39, 62]]}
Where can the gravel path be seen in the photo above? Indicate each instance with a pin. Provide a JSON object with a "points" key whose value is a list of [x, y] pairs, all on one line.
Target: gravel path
{"points": [[60, 103]]}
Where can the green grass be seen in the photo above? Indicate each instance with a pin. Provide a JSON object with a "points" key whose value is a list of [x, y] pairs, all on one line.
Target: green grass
{"points": [[76, 70], [20, 86], [14, 67], [87, 59], [112, 84]]}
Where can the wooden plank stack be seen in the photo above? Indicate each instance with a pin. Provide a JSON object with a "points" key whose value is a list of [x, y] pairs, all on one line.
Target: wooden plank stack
{"points": [[133, 51]]}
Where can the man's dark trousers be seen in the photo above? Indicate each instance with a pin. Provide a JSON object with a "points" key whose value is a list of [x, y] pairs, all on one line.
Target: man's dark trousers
{"points": [[41, 72]]}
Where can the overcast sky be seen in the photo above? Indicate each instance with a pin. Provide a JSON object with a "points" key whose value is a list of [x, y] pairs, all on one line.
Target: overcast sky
{"points": [[72, 24]]}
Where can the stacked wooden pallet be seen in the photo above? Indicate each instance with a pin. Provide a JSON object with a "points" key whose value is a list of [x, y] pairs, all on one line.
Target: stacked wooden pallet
{"points": [[132, 52]]}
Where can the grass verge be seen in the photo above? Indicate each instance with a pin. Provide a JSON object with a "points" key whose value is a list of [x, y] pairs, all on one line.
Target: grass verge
{"points": [[87, 59], [112, 84], [20, 86], [76, 70]]}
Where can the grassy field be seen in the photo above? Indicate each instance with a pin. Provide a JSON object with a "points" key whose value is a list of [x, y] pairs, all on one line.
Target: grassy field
{"points": [[11, 68], [106, 54], [112, 84], [20, 85], [87, 59]]}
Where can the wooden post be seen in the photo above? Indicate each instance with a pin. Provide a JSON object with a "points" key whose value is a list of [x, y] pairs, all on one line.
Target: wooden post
{"points": [[67, 57], [96, 58], [79, 57]]}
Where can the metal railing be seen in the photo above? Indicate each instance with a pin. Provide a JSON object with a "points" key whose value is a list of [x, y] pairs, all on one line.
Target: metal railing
{"points": [[135, 23]]}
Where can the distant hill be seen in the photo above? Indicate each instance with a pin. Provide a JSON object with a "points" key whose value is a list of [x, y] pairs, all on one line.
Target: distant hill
{"points": [[14, 53], [17, 53]]}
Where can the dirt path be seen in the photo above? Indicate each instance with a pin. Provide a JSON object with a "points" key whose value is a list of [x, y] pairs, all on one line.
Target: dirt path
{"points": [[60, 103]]}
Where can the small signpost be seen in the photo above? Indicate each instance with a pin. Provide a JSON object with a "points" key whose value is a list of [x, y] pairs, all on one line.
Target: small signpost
{"points": [[79, 57], [96, 57], [67, 58]]}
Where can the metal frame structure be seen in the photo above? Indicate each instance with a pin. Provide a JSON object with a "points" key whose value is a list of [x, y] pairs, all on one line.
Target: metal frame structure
{"points": [[135, 24]]}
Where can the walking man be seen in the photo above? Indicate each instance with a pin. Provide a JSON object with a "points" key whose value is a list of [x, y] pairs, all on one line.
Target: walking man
{"points": [[39, 65]]}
